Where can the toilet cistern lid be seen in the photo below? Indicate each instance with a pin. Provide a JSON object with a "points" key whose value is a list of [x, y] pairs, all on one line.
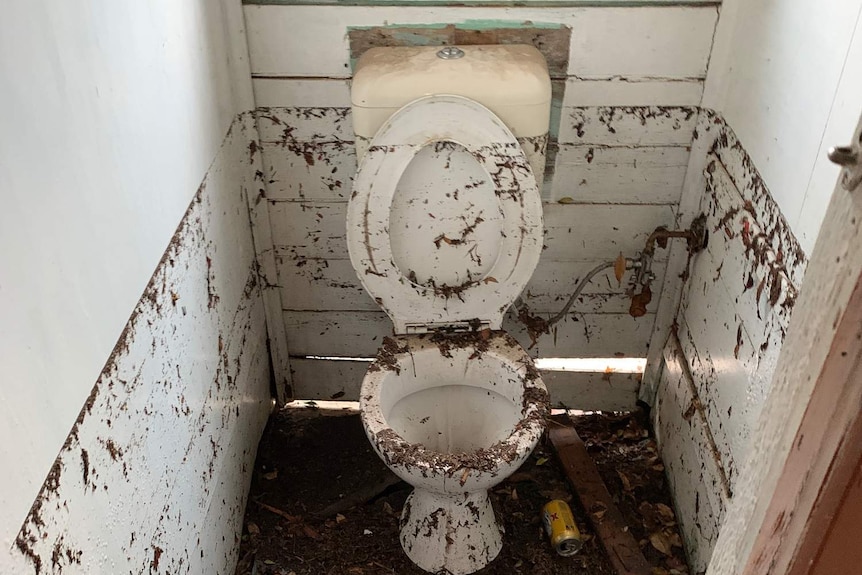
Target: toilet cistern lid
{"points": [[456, 253]]}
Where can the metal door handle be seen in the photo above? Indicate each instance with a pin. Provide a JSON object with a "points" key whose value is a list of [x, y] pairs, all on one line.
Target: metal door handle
{"points": [[843, 155], [849, 158]]}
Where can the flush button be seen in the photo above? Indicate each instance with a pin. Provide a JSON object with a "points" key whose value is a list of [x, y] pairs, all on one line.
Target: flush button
{"points": [[450, 53]]}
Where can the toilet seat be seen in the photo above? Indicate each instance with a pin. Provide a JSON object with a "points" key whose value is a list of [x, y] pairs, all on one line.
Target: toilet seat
{"points": [[474, 303]]}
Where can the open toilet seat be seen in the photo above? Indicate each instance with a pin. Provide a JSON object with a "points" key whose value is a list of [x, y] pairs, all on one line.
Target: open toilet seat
{"points": [[416, 307], [451, 413]]}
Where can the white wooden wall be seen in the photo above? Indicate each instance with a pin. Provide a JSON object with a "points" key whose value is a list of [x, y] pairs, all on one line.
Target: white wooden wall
{"points": [[634, 79], [730, 328]]}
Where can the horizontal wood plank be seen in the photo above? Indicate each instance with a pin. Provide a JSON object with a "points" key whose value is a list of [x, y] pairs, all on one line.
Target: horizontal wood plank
{"points": [[634, 175], [311, 284], [291, 92], [309, 170], [301, 92], [573, 232], [628, 125], [646, 125], [319, 124], [324, 171], [632, 92], [360, 334], [339, 379], [665, 42]]}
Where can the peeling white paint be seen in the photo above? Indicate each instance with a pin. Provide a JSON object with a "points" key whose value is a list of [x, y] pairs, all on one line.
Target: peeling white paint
{"points": [[175, 416], [732, 320]]}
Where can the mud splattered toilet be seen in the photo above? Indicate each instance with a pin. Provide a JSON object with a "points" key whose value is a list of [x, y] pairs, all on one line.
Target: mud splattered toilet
{"points": [[444, 229]]}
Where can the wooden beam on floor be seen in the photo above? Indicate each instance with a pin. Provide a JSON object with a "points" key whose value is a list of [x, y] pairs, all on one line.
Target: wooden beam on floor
{"points": [[607, 521]]}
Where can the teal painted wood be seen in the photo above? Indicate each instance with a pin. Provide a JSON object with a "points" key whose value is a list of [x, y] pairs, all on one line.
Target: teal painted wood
{"points": [[489, 3]]}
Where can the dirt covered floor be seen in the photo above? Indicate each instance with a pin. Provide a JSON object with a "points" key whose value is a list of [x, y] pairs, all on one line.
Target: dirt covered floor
{"points": [[313, 466]]}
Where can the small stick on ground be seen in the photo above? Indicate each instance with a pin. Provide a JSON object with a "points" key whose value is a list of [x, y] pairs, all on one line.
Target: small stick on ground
{"points": [[622, 549], [359, 497], [276, 510]]}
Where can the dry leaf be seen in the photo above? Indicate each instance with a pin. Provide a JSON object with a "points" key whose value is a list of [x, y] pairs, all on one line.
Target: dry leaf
{"points": [[514, 494], [490, 280], [666, 514], [627, 485], [339, 518], [660, 542], [388, 508], [620, 267], [271, 475], [310, 532], [253, 529], [598, 510]]}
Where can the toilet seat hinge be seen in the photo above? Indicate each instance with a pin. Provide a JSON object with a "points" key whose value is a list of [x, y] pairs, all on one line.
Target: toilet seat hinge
{"points": [[448, 327]]}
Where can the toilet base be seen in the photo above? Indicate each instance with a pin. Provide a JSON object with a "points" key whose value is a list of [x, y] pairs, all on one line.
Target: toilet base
{"points": [[452, 534]]}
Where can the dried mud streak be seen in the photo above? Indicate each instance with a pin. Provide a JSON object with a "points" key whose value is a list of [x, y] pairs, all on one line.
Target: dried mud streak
{"points": [[536, 326], [402, 453], [701, 411], [778, 229], [387, 356]]}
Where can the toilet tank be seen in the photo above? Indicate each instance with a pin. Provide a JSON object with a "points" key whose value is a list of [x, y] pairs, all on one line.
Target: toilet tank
{"points": [[510, 80]]}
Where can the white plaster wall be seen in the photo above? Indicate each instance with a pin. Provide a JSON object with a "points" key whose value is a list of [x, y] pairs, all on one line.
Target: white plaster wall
{"points": [[110, 114], [787, 77]]}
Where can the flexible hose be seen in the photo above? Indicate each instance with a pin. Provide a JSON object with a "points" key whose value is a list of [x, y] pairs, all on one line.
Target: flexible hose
{"points": [[583, 283], [519, 304]]}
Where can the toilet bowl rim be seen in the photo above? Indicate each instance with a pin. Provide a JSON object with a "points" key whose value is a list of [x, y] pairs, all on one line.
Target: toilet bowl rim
{"points": [[518, 443]]}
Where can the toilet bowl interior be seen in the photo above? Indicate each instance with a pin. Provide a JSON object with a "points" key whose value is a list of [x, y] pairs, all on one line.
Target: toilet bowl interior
{"points": [[454, 404]]}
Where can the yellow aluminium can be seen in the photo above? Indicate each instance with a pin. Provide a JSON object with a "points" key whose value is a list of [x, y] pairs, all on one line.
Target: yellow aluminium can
{"points": [[560, 527]]}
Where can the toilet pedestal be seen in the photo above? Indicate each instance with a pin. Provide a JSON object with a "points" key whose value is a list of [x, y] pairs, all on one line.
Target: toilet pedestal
{"points": [[453, 534]]}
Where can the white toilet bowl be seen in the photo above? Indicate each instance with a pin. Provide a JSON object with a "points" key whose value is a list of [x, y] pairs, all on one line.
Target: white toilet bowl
{"points": [[452, 415]]}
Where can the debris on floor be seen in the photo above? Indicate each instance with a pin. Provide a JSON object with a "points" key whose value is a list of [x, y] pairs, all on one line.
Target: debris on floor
{"points": [[321, 502], [604, 515]]}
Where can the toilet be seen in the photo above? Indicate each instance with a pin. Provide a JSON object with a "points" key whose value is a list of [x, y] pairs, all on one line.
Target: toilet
{"points": [[444, 230]]}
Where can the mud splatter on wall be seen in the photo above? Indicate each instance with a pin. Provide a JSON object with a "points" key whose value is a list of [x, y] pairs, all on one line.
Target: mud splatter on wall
{"points": [[154, 474], [732, 321]]}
